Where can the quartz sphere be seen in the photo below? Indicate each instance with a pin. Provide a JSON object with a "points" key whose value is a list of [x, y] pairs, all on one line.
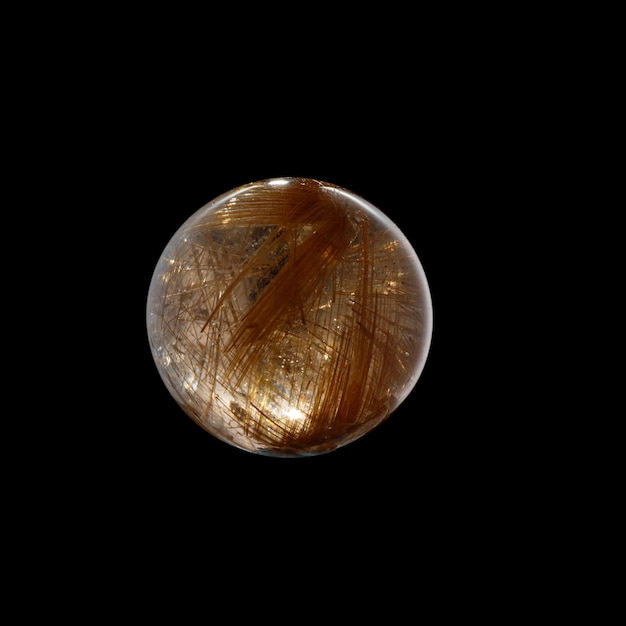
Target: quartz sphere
{"points": [[289, 317]]}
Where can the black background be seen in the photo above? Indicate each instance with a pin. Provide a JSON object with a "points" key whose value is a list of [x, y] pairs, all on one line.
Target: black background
{"points": [[127, 124], [434, 483], [420, 161], [417, 167]]}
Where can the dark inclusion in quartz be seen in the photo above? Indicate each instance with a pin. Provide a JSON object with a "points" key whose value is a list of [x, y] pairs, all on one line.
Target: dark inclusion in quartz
{"points": [[289, 317]]}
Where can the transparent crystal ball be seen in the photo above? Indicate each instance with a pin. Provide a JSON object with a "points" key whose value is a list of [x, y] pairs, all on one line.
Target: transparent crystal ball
{"points": [[289, 317]]}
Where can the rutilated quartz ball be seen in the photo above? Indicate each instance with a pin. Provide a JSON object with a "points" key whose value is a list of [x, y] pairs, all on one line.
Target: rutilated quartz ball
{"points": [[289, 317]]}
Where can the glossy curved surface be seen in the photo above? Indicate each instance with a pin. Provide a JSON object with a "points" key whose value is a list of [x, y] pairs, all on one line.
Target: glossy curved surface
{"points": [[289, 317]]}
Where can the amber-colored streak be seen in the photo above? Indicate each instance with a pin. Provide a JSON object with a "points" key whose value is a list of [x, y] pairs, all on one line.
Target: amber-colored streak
{"points": [[292, 317]]}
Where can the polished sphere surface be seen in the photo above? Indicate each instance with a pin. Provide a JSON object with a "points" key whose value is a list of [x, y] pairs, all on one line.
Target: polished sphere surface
{"points": [[288, 317]]}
